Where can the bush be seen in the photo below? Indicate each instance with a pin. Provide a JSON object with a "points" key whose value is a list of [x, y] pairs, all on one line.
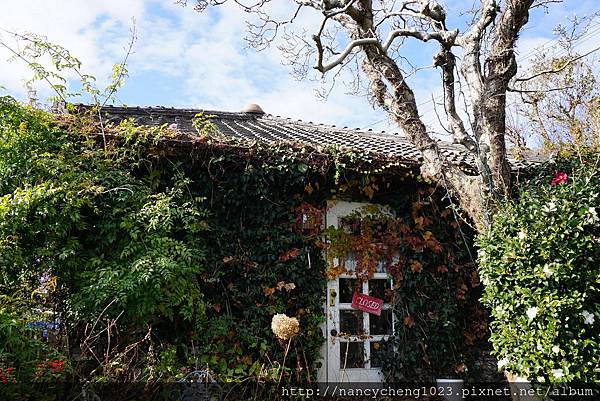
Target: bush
{"points": [[27, 363], [91, 235], [158, 262], [539, 262]]}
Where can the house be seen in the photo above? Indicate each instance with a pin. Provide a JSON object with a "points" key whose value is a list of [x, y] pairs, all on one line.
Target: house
{"points": [[331, 214]]}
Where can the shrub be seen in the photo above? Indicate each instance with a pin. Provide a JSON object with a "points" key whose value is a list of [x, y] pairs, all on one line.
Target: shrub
{"points": [[27, 364], [117, 241], [539, 262]]}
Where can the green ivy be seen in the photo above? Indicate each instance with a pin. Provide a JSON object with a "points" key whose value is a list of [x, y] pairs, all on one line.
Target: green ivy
{"points": [[188, 254]]}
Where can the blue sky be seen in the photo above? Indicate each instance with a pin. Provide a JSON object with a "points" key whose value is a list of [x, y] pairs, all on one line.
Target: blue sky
{"points": [[186, 59]]}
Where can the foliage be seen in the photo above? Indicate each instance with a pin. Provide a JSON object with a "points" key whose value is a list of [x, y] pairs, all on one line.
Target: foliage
{"points": [[72, 211], [35, 51], [539, 262], [117, 243], [162, 261], [440, 327]]}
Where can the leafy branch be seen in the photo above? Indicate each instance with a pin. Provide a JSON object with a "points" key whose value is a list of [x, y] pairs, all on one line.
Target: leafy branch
{"points": [[32, 48]]}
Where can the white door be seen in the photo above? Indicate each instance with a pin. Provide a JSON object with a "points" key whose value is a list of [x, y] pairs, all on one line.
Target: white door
{"points": [[353, 336]]}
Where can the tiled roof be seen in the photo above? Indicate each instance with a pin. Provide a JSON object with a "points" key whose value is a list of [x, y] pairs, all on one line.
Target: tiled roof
{"points": [[269, 128]]}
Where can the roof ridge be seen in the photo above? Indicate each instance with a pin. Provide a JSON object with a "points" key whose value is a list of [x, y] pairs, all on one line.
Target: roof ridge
{"points": [[171, 111]]}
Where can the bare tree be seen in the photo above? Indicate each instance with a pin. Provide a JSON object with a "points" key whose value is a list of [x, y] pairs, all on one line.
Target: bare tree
{"points": [[558, 98], [375, 32]]}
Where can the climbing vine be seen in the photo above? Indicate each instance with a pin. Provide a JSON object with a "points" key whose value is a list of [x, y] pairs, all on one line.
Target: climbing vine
{"points": [[169, 253], [440, 330]]}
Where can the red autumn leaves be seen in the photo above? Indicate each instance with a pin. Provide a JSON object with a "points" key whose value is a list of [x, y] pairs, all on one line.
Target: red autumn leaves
{"points": [[416, 266], [291, 254], [282, 285], [409, 321]]}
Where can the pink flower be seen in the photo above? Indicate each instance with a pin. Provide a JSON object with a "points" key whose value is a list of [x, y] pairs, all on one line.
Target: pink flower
{"points": [[173, 126], [559, 178]]}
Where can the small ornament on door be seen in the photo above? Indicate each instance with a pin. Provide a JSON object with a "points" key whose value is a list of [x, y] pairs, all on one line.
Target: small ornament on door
{"points": [[366, 303]]}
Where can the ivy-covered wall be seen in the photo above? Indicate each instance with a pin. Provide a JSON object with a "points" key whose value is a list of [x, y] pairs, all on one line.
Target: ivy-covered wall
{"points": [[271, 243], [184, 250], [262, 261]]}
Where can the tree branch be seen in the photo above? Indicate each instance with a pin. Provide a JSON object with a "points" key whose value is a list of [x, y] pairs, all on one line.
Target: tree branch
{"points": [[447, 61], [471, 65], [562, 88], [445, 37], [559, 69], [340, 59]]}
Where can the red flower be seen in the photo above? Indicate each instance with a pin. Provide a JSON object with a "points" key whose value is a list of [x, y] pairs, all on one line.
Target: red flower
{"points": [[559, 178]]}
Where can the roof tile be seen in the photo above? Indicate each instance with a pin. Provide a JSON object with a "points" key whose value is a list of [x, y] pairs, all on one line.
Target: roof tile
{"points": [[271, 129]]}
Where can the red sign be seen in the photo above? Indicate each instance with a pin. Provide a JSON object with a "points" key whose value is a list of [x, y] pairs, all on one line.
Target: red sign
{"points": [[366, 303]]}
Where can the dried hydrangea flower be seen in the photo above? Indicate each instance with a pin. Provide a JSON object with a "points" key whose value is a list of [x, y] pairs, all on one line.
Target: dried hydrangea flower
{"points": [[285, 327]]}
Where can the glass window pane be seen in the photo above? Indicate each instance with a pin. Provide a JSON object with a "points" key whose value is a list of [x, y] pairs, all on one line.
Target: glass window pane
{"points": [[351, 262], [351, 322], [380, 288], [347, 288], [350, 225], [381, 325], [376, 354], [352, 355]]}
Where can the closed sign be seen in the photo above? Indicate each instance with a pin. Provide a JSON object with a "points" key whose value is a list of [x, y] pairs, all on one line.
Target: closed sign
{"points": [[366, 303]]}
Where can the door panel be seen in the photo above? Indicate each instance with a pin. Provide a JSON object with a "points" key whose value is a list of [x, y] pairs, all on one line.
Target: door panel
{"points": [[351, 323], [354, 337], [352, 355], [381, 325]]}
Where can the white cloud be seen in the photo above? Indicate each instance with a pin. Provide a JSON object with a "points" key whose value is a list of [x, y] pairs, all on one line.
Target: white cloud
{"points": [[89, 30], [219, 72], [201, 58]]}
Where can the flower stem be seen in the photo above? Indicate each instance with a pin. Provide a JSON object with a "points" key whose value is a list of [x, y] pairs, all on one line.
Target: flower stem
{"points": [[287, 349]]}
